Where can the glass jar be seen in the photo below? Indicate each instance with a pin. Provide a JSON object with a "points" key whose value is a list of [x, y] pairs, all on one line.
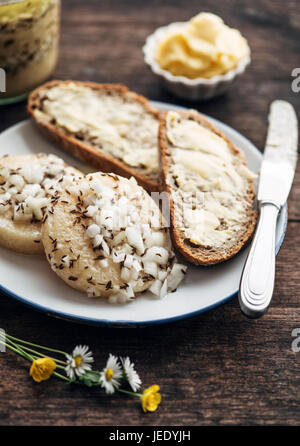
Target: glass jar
{"points": [[29, 32]]}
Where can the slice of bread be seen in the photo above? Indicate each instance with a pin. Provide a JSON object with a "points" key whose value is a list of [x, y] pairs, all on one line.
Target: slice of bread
{"points": [[211, 191], [105, 125]]}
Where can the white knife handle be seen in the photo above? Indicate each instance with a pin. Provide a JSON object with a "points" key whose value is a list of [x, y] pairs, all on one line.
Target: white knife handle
{"points": [[257, 281]]}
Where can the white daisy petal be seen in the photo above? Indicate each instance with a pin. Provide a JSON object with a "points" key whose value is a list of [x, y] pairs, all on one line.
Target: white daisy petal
{"points": [[79, 362], [132, 377], [111, 374]]}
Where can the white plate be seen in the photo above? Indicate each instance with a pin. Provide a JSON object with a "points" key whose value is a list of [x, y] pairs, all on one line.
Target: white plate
{"points": [[30, 280]]}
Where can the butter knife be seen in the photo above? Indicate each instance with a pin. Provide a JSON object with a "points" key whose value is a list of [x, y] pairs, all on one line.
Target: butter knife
{"points": [[276, 178]]}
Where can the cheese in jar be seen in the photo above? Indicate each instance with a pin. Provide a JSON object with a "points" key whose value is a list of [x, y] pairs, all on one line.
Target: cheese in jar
{"points": [[29, 32]]}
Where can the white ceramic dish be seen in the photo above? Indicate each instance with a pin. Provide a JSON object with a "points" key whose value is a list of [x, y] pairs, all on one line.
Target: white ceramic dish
{"points": [[199, 89], [30, 280]]}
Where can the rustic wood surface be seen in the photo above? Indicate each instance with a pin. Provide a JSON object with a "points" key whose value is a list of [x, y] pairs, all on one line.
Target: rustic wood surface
{"points": [[218, 368]]}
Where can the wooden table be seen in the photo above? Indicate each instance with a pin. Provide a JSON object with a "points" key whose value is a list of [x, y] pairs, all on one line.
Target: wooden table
{"points": [[218, 368]]}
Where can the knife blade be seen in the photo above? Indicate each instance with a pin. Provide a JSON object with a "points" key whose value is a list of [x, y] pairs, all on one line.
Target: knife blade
{"points": [[280, 154], [276, 178]]}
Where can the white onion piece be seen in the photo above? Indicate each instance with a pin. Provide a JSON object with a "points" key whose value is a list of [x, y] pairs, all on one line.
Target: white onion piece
{"points": [[134, 274], [155, 239], [97, 240], [119, 238], [91, 210], [164, 289], [5, 197], [103, 263], [125, 274], [156, 287], [96, 185], [17, 181], [162, 275], [93, 230], [128, 261], [123, 201], [134, 238], [136, 265], [105, 248], [32, 174], [129, 291], [36, 204], [176, 276], [4, 172], [157, 254], [151, 268], [118, 256], [146, 230], [32, 190]]}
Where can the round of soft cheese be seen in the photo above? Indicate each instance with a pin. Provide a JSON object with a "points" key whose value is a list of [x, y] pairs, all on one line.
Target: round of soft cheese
{"points": [[100, 238], [28, 185]]}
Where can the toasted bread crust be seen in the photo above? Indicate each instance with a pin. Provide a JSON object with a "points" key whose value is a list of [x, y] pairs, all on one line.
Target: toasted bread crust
{"points": [[79, 149], [195, 254]]}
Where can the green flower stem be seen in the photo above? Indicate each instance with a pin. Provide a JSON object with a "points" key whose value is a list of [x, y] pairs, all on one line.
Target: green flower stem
{"points": [[40, 355], [16, 346], [61, 376], [10, 347], [22, 352], [31, 358], [17, 350], [20, 348], [130, 393], [36, 345], [79, 383], [8, 342]]}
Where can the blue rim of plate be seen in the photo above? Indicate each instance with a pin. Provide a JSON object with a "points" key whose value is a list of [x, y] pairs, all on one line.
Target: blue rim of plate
{"points": [[139, 324]]}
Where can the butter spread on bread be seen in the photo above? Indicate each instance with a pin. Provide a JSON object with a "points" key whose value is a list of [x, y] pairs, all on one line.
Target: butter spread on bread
{"points": [[211, 190], [108, 126]]}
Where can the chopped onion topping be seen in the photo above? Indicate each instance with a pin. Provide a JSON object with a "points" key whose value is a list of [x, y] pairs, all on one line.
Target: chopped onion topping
{"points": [[120, 230]]}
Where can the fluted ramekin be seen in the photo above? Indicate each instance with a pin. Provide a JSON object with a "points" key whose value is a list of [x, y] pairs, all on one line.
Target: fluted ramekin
{"points": [[198, 89]]}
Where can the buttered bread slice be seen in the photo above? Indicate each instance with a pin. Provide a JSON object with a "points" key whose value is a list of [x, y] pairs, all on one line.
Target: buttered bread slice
{"points": [[108, 126], [28, 185], [210, 189]]}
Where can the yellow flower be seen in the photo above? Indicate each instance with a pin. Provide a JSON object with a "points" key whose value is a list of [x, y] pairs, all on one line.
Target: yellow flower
{"points": [[42, 368], [151, 399]]}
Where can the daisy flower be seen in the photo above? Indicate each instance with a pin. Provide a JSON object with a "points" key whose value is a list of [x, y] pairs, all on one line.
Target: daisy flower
{"points": [[79, 362], [130, 374], [111, 374]]}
